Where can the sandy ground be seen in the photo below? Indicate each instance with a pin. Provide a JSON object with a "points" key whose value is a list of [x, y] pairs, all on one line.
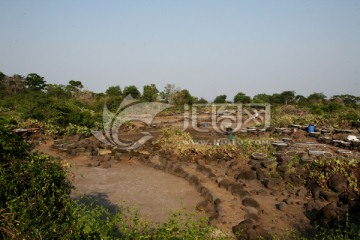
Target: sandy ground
{"points": [[154, 193]]}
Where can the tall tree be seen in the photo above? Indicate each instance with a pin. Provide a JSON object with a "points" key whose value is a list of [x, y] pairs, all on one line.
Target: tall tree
{"points": [[168, 92], [150, 93], [114, 91], [34, 82], [14, 84], [287, 97], [301, 100], [220, 99], [347, 99], [262, 98], [202, 101], [74, 86], [242, 98], [181, 97], [132, 90], [316, 98], [57, 91], [2, 78]]}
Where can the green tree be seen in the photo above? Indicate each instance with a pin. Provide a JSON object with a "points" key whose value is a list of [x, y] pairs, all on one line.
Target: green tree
{"points": [[300, 100], [287, 97], [74, 86], [347, 99], [316, 98], [150, 93], [242, 98], [132, 90], [202, 101], [34, 82], [262, 98], [220, 99], [181, 97], [2, 77], [14, 84], [114, 91], [168, 92], [57, 91]]}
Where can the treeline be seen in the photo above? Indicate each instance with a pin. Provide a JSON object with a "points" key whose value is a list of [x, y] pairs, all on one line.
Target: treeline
{"points": [[31, 97], [290, 97]]}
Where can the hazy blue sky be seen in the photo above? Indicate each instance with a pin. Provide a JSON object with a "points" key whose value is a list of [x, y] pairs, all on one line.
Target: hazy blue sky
{"points": [[207, 47]]}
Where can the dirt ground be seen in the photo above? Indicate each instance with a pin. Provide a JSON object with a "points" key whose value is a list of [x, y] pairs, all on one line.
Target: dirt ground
{"points": [[130, 184]]}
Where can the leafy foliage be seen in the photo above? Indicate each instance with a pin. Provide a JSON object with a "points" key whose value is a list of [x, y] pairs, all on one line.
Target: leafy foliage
{"points": [[132, 90], [35, 82], [321, 171], [220, 99]]}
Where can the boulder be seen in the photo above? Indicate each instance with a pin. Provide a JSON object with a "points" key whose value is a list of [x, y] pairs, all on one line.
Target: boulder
{"points": [[328, 213], [261, 233], [274, 183], [252, 216], [260, 175], [250, 202], [241, 193], [103, 152], [242, 227], [202, 206], [246, 174], [329, 196], [338, 183], [224, 184]]}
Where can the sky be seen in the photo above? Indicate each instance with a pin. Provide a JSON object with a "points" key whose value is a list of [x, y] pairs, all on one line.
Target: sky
{"points": [[208, 47]]}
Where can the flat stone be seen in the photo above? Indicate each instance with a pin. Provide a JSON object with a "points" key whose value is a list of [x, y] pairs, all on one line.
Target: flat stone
{"points": [[103, 152]]}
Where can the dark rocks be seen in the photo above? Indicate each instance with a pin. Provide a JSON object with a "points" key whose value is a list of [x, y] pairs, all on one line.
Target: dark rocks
{"points": [[268, 164], [338, 183], [247, 229], [250, 202], [314, 205], [241, 193], [252, 216], [260, 175], [274, 183], [244, 225], [262, 233], [246, 174], [329, 196], [204, 170], [328, 213], [352, 199], [202, 206], [296, 179], [224, 184]]}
